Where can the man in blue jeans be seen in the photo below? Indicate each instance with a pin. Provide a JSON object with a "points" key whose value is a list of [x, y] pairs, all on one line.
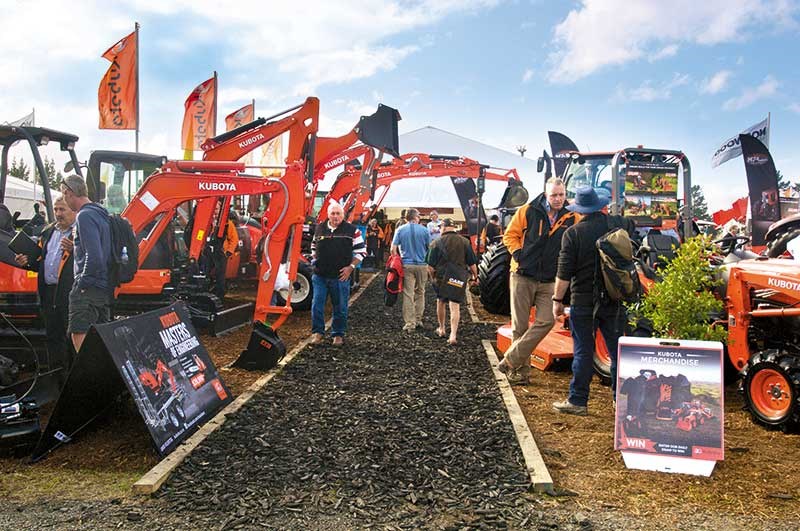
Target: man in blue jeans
{"points": [[590, 307], [337, 249]]}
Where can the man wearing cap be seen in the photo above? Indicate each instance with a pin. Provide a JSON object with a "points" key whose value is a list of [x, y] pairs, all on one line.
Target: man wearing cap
{"points": [[450, 262], [590, 307], [533, 238]]}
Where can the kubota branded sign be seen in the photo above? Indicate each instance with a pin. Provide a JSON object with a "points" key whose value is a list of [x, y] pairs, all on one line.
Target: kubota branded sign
{"points": [[250, 141], [216, 187], [783, 284]]}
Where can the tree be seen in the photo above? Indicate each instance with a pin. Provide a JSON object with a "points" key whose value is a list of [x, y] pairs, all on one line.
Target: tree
{"points": [[783, 184], [54, 176], [699, 205], [680, 305], [20, 170]]}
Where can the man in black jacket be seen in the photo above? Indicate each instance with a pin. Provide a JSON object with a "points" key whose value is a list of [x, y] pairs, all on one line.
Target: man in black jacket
{"points": [[533, 237], [337, 249], [590, 307], [55, 276]]}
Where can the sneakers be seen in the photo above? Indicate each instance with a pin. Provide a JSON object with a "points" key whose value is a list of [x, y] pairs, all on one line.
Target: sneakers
{"points": [[514, 377], [338, 341], [568, 407], [409, 327], [316, 339]]}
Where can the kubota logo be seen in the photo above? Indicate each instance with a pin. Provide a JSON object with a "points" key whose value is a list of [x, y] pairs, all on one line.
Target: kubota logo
{"points": [[335, 162], [214, 187], [783, 284], [250, 141]]}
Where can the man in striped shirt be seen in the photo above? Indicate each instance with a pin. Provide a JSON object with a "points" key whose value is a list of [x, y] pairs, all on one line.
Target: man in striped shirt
{"points": [[337, 249]]}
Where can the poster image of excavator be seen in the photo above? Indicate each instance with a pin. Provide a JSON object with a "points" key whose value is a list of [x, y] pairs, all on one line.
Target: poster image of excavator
{"points": [[669, 399], [651, 193], [169, 374]]}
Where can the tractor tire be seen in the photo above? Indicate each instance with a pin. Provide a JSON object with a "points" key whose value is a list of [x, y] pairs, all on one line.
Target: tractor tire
{"points": [[771, 388], [493, 273], [777, 246], [302, 290]]}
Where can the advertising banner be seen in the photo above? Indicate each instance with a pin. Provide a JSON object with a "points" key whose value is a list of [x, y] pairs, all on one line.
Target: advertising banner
{"points": [[200, 116], [762, 186], [560, 145], [670, 404], [159, 359], [119, 89], [468, 197], [651, 194], [732, 147]]}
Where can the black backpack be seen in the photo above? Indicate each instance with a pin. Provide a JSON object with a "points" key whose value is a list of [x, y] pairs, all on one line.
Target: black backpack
{"points": [[124, 251]]}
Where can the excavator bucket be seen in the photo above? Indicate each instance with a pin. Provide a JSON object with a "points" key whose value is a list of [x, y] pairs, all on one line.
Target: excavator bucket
{"points": [[264, 350], [514, 196], [379, 130]]}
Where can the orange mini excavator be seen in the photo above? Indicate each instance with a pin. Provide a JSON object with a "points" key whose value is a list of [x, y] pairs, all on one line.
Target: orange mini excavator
{"points": [[179, 277]]}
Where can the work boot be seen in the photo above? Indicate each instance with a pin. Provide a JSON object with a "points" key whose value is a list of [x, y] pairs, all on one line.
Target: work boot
{"points": [[568, 407], [316, 339]]}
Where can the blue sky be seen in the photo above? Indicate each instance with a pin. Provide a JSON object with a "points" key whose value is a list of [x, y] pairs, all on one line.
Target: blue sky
{"points": [[609, 73]]}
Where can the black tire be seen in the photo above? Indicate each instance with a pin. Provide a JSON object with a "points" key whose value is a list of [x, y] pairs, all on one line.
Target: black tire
{"points": [[493, 273], [771, 389], [777, 246], [302, 289]]}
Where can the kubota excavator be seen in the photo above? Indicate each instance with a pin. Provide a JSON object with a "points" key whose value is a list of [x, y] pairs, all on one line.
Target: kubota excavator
{"points": [[209, 213]]}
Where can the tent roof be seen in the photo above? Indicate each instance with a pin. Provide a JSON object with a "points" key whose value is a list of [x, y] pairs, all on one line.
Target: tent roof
{"points": [[440, 192]]}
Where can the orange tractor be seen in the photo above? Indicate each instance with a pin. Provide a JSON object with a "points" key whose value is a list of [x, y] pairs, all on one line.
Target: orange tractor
{"points": [[622, 175]]}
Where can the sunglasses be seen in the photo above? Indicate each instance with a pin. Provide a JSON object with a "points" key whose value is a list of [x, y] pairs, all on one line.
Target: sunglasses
{"points": [[65, 185]]}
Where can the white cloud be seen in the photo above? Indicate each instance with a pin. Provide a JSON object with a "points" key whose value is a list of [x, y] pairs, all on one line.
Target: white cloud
{"points": [[794, 107], [769, 87], [602, 33], [715, 83], [527, 76], [647, 91], [666, 51]]}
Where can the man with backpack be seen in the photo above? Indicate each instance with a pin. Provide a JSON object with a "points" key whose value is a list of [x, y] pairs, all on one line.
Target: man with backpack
{"points": [[591, 307], [90, 297]]}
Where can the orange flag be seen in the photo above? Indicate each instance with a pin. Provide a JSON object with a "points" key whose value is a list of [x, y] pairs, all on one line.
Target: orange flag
{"points": [[200, 118], [118, 92], [240, 117]]}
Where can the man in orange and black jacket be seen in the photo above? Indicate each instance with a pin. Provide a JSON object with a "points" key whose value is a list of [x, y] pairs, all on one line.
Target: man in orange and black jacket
{"points": [[533, 237]]}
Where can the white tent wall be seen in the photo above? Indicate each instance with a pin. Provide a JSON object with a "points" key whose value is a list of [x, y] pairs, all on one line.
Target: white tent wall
{"points": [[21, 196]]}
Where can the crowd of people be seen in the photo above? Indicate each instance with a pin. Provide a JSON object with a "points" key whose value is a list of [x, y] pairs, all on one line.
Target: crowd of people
{"points": [[552, 243]]}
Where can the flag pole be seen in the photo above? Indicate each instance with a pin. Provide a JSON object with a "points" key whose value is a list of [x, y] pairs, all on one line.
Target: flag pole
{"points": [[33, 117], [138, 94], [769, 126], [216, 98]]}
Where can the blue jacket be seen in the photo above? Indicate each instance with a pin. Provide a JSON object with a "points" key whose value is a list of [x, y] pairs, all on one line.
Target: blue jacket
{"points": [[92, 247]]}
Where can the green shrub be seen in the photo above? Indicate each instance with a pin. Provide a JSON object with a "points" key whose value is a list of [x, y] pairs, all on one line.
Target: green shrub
{"points": [[680, 304]]}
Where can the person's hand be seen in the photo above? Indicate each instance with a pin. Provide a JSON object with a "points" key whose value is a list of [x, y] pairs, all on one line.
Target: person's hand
{"points": [[67, 244], [345, 272], [558, 309], [21, 259]]}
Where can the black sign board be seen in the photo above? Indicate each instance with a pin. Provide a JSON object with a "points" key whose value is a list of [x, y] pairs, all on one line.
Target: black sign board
{"points": [[762, 183], [158, 358], [468, 197]]}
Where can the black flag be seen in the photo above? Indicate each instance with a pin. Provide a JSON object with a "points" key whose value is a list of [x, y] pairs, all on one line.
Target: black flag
{"points": [[762, 183], [560, 146]]}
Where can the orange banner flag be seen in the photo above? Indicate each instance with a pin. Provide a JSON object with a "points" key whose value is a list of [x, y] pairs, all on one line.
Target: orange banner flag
{"points": [[118, 92], [239, 117], [200, 118]]}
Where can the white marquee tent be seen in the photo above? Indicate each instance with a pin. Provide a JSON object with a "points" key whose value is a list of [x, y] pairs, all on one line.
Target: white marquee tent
{"points": [[439, 192], [21, 196]]}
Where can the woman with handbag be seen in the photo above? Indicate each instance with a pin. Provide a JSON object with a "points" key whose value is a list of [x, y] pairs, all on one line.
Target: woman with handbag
{"points": [[450, 263]]}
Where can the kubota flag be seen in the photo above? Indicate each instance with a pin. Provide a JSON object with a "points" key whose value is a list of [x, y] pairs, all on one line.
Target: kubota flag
{"points": [[200, 117], [239, 117], [118, 92]]}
